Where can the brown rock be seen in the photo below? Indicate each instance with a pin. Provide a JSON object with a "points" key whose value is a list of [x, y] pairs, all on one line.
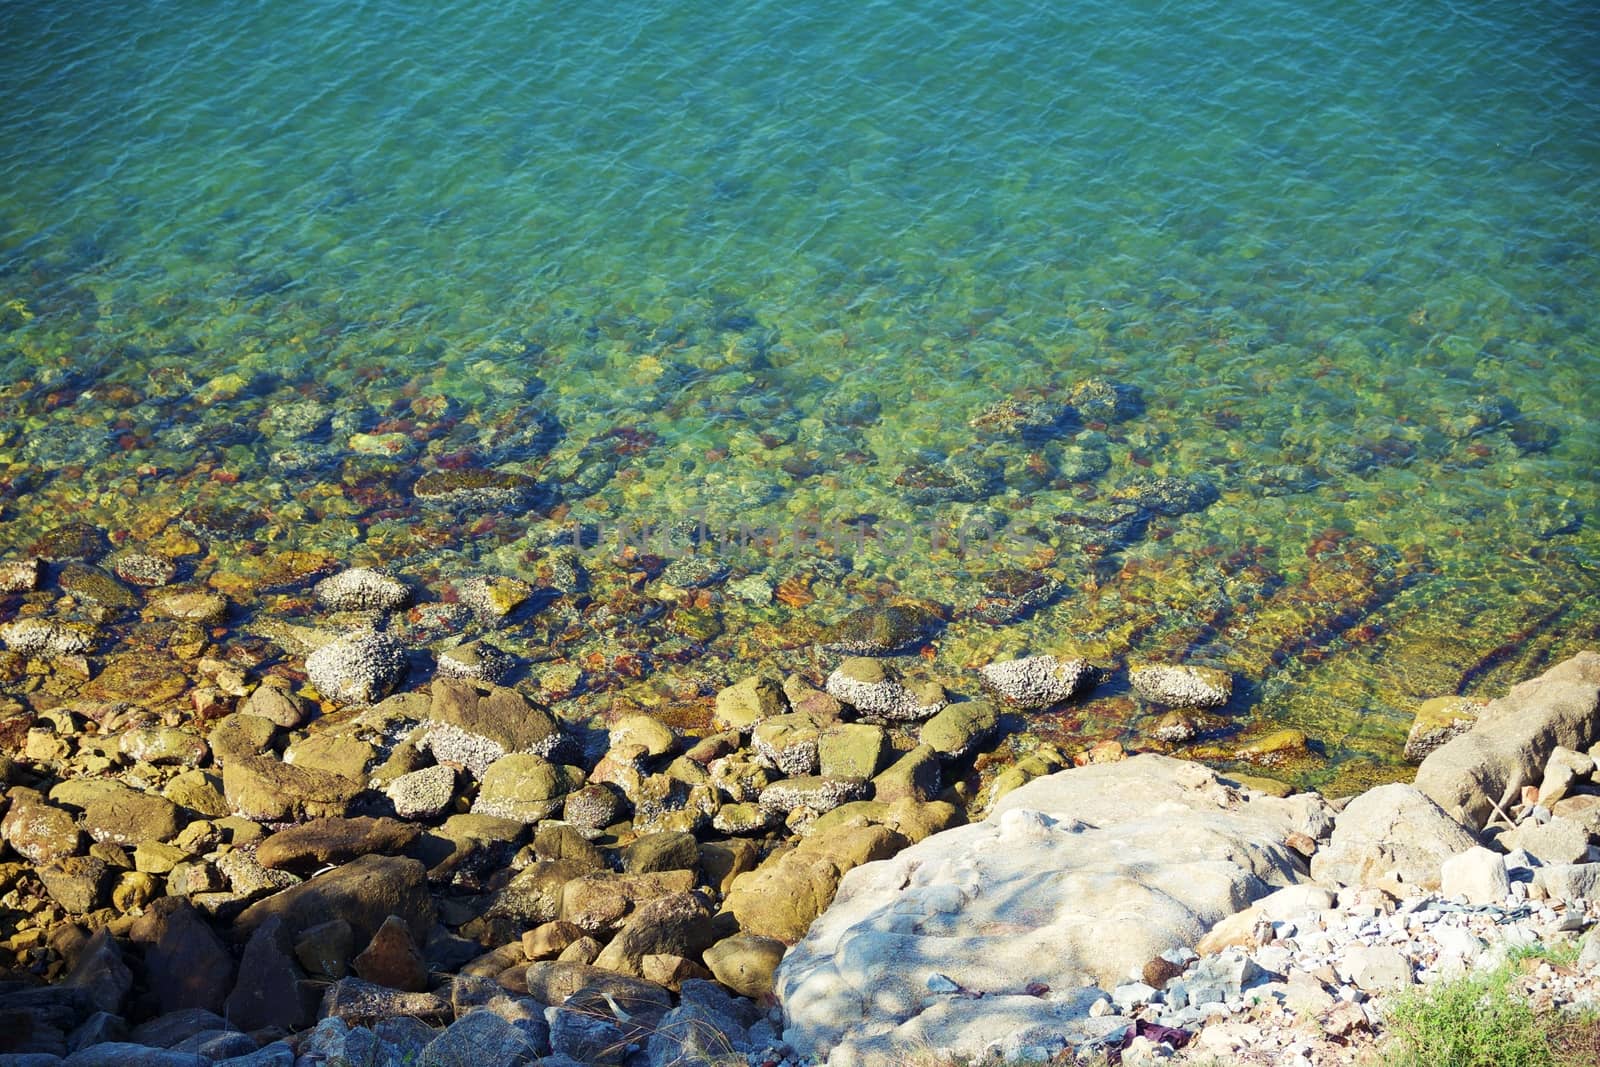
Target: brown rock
{"points": [[186, 964], [549, 940], [676, 925], [364, 892], [335, 840], [39, 832], [268, 790], [745, 963], [391, 958], [272, 990]]}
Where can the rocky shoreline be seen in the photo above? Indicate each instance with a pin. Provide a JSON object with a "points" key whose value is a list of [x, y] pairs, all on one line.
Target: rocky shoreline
{"points": [[264, 872]]}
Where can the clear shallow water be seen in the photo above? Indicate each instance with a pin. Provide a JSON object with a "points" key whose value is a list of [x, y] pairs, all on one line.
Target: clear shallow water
{"points": [[767, 264]]}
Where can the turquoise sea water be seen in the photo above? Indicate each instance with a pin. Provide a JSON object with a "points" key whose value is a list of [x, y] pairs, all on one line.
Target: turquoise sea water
{"points": [[264, 265]]}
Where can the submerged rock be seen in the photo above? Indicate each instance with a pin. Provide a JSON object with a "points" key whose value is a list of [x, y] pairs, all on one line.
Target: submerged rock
{"points": [[47, 638], [1166, 495], [476, 488], [1104, 400], [1031, 420], [1012, 594], [1180, 686], [883, 630]]}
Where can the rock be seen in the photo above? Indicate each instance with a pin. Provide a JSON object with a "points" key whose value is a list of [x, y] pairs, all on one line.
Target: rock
{"points": [[874, 689], [1557, 841], [272, 990], [1377, 968], [481, 1039], [642, 731], [851, 750], [364, 892], [333, 753], [782, 897], [787, 743], [671, 851], [476, 489], [362, 668], [1508, 746], [1278, 748], [120, 815], [160, 745], [1106, 400], [265, 789], [817, 793], [1477, 875], [201, 606], [40, 833], [916, 775], [278, 706], [241, 736], [549, 940], [47, 638], [391, 958], [587, 1039], [677, 925], [359, 1003], [1569, 882], [477, 661], [199, 792], [1036, 681], [101, 972], [1437, 721], [599, 903], [745, 963], [326, 948], [361, 589], [748, 702], [1105, 867], [593, 807], [960, 730], [474, 728], [1166, 495], [74, 882], [1181, 686], [177, 1026], [1393, 832], [1557, 782], [185, 962], [881, 631], [320, 842], [707, 1026], [1032, 420], [423, 794], [20, 575], [129, 1054], [524, 787]]}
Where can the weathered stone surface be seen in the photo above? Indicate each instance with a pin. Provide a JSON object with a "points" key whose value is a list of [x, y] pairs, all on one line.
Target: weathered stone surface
{"points": [[185, 962], [277, 705], [1392, 832], [164, 745], [1181, 685], [74, 882], [241, 736], [1092, 871], [676, 925], [1437, 721], [787, 743], [125, 816], [960, 729], [916, 775], [333, 753], [128, 1054], [1036, 681], [1569, 881], [1557, 841], [272, 989], [524, 787], [474, 726], [364, 892], [481, 1038], [600, 903], [1514, 736], [361, 589], [782, 897], [1477, 876], [852, 749], [320, 842], [745, 703], [875, 690], [817, 793], [669, 851], [745, 963], [39, 832], [101, 973], [361, 1003], [359, 669], [423, 794], [266, 789], [391, 958], [326, 948]]}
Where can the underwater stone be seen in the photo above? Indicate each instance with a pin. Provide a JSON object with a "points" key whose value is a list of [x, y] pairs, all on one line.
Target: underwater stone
{"points": [[361, 589], [1028, 419], [359, 669], [689, 572], [494, 597], [475, 488], [47, 638], [20, 575], [143, 568], [883, 630], [1166, 495], [1104, 400], [477, 660], [94, 584], [1008, 595], [1109, 526], [1182, 686], [964, 477], [1035, 681]]}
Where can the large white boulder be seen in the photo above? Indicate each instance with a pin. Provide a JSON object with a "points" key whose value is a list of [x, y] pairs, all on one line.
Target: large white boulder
{"points": [[1090, 873]]}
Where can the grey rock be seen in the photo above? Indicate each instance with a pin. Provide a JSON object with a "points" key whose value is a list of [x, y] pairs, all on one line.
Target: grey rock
{"points": [[478, 1039], [175, 1027], [127, 1054], [1392, 832], [1036, 681], [1181, 686], [586, 1038], [362, 668], [362, 589], [423, 794], [276, 1054], [874, 689], [1477, 875], [272, 989]]}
